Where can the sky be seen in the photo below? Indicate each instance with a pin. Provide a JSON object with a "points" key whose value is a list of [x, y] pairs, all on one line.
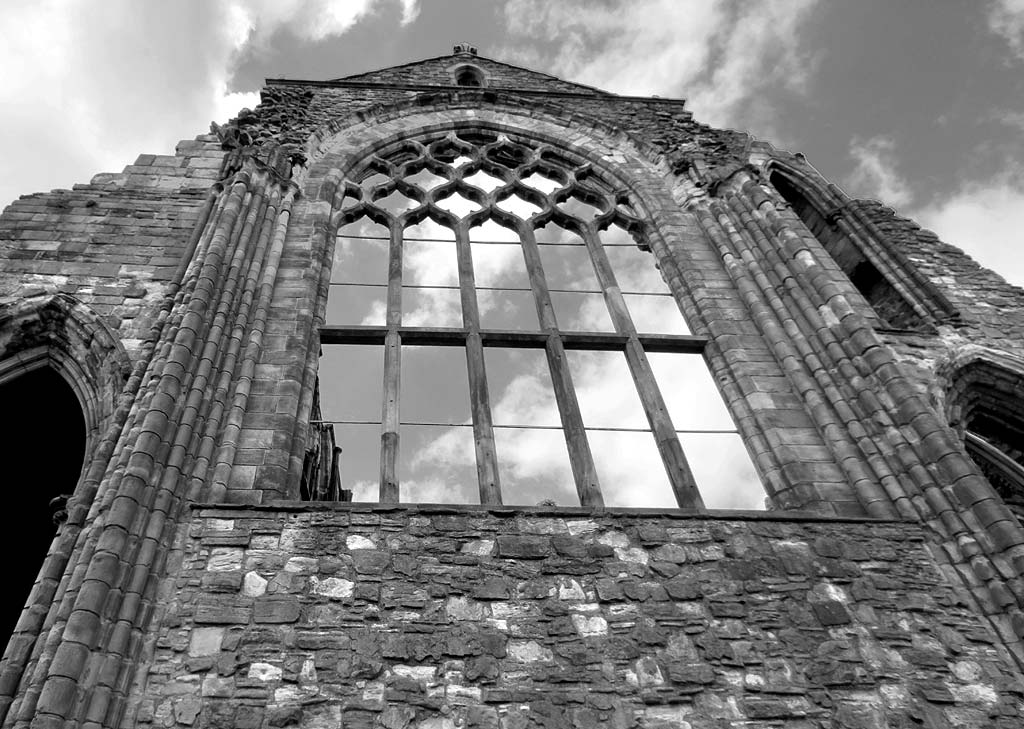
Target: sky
{"points": [[918, 103]]}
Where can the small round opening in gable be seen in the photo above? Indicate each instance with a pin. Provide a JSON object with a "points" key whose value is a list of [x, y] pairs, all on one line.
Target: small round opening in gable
{"points": [[469, 76]]}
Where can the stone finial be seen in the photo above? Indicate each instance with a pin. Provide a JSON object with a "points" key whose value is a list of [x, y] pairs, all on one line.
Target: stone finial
{"points": [[464, 48]]}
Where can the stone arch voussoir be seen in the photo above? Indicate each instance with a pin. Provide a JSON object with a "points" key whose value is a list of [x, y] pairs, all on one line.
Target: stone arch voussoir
{"points": [[56, 330]]}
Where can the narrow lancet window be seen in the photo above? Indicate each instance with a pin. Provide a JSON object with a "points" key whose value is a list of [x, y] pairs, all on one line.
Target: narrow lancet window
{"points": [[888, 303]]}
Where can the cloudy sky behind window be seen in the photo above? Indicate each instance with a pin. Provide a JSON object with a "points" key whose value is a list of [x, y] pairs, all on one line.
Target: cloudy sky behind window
{"points": [[917, 102]]}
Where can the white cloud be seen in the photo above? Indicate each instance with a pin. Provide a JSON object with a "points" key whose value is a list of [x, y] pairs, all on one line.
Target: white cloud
{"points": [[875, 174], [534, 463], [410, 11], [257, 20], [985, 220], [89, 86], [1006, 18], [667, 47]]}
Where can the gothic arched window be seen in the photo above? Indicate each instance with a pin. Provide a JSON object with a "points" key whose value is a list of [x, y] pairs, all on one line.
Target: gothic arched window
{"points": [[986, 405], [497, 325], [887, 302]]}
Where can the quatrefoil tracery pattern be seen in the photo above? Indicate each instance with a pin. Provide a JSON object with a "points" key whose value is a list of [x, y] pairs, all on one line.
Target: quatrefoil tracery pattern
{"points": [[491, 171]]}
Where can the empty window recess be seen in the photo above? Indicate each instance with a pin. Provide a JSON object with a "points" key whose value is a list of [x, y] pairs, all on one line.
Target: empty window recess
{"points": [[469, 76], [890, 306], [987, 410]]}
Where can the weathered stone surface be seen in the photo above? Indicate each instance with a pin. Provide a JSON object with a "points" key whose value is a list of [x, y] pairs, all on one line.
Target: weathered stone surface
{"points": [[623, 645], [225, 611], [276, 609], [516, 547], [442, 618]]}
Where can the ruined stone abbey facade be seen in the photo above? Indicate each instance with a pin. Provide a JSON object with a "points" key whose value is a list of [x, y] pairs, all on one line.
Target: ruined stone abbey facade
{"points": [[219, 560]]}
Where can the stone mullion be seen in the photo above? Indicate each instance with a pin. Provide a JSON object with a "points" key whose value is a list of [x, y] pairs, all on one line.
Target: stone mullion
{"points": [[103, 463], [321, 247], [677, 467], [60, 689], [935, 443], [890, 268], [581, 459], [389, 488], [488, 477], [814, 333], [743, 271]]}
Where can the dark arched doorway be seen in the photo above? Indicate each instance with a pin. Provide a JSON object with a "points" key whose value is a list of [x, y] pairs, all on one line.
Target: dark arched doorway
{"points": [[42, 445]]}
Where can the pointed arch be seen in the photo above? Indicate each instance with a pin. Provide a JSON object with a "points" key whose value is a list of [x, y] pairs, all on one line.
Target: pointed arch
{"points": [[985, 406], [820, 212], [58, 331], [638, 171], [61, 372]]}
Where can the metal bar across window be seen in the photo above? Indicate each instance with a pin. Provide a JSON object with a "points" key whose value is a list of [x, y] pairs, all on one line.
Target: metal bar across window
{"points": [[456, 337], [496, 288], [513, 426]]}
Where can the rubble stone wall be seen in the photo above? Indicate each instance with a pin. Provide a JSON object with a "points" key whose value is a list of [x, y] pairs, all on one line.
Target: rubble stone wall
{"points": [[294, 615]]}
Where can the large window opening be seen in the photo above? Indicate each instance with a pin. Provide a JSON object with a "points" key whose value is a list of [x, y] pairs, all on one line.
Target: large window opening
{"points": [[521, 343], [888, 303], [42, 445], [987, 409]]}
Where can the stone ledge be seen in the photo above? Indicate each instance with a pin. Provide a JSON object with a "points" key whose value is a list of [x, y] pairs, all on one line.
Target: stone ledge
{"points": [[553, 511]]}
